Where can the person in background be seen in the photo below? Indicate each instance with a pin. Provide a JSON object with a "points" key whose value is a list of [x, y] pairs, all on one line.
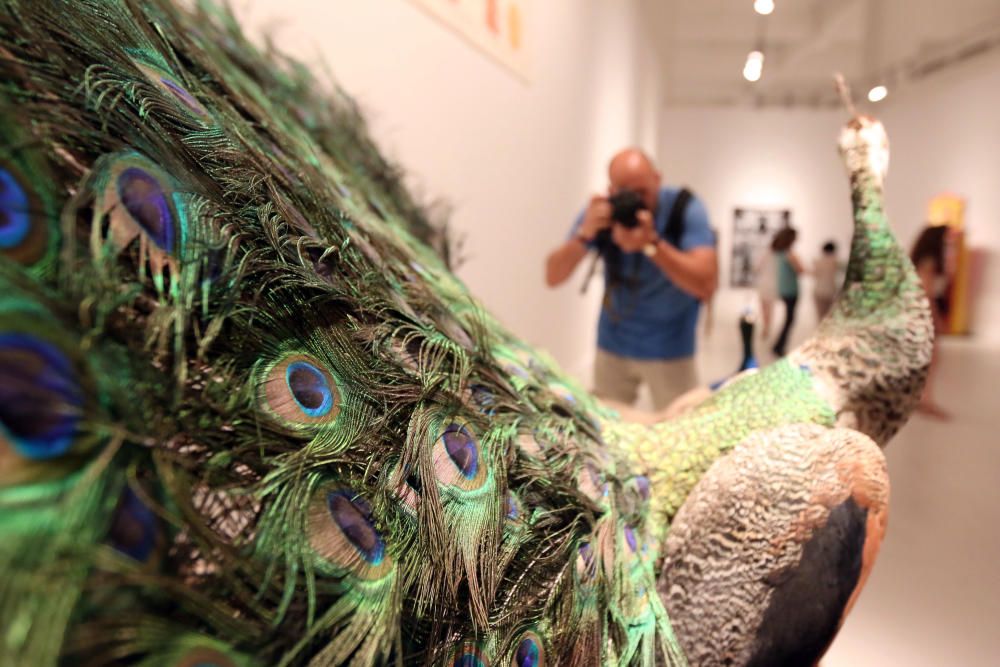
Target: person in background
{"points": [[788, 269], [766, 281], [658, 271], [933, 257], [826, 269]]}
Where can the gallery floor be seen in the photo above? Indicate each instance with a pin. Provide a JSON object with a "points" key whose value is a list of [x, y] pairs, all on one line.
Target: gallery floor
{"points": [[933, 599], [934, 596]]}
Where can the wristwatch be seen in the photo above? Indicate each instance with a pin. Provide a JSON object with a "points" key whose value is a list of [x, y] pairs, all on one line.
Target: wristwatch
{"points": [[650, 249]]}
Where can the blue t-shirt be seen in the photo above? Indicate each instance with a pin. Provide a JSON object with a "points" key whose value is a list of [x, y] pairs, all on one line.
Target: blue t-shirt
{"points": [[656, 319]]}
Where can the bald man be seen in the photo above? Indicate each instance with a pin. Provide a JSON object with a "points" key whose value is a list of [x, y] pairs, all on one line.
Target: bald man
{"points": [[653, 288]]}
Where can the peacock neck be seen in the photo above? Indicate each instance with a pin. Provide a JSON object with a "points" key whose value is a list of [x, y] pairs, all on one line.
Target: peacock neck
{"points": [[869, 357], [878, 268]]}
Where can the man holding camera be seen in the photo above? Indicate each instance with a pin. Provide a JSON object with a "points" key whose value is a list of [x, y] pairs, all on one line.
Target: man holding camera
{"points": [[660, 263]]}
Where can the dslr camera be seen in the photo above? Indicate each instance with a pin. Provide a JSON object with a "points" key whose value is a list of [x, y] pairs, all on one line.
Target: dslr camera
{"points": [[625, 204]]}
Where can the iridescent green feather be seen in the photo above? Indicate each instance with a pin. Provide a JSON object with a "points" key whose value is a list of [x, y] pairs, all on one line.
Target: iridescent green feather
{"points": [[307, 431]]}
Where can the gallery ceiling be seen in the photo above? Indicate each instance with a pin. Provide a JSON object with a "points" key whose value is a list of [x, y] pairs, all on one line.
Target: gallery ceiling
{"points": [[703, 45]]}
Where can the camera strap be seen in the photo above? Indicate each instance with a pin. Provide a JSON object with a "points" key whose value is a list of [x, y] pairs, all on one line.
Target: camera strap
{"points": [[675, 221]]}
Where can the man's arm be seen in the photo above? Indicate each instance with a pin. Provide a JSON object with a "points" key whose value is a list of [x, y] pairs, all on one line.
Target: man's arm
{"points": [[695, 271], [560, 263]]}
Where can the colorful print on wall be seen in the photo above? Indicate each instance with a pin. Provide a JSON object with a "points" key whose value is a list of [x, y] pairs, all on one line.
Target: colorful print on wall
{"points": [[497, 27], [949, 210]]}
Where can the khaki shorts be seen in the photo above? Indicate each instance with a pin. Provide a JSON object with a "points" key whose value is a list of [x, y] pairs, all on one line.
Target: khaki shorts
{"points": [[618, 378]]}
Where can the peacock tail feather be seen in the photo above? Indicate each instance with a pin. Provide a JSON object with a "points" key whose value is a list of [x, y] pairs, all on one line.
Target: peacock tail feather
{"points": [[250, 417]]}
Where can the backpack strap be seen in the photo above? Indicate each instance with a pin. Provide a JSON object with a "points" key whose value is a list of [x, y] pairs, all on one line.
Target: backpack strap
{"points": [[675, 220]]}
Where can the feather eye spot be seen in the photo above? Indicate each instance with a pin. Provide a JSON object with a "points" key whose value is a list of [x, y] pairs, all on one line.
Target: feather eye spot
{"points": [[343, 533], [483, 398], [182, 95], [458, 458], [15, 221], [630, 539], [300, 392], [24, 232], [146, 202], [586, 563], [513, 507], [133, 527], [169, 84], [352, 515], [310, 387], [643, 487], [530, 652], [41, 400], [462, 450], [469, 655]]}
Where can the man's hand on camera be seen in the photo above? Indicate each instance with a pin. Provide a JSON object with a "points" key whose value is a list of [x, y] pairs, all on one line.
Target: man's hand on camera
{"points": [[597, 217], [636, 238]]}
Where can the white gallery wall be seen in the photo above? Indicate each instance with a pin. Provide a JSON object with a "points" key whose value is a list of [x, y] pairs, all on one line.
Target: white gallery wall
{"points": [[944, 134], [760, 159], [516, 160]]}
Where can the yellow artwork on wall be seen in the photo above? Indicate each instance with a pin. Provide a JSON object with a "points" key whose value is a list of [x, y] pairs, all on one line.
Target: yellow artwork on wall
{"points": [[949, 210], [496, 27]]}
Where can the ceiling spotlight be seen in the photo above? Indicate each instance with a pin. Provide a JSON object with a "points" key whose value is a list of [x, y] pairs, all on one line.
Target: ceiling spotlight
{"points": [[764, 7], [877, 94], [754, 66]]}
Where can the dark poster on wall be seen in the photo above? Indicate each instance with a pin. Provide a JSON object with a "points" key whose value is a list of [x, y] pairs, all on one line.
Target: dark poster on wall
{"points": [[753, 229]]}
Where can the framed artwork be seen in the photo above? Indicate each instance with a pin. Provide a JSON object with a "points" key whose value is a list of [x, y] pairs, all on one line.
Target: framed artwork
{"points": [[496, 27], [753, 229]]}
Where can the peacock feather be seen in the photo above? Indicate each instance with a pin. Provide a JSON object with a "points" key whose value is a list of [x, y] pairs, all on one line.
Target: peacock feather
{"points": [[248, 415], [251, 418]]}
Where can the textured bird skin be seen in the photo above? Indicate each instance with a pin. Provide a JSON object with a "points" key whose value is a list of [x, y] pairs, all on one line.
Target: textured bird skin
{"points": [[741, 536]]}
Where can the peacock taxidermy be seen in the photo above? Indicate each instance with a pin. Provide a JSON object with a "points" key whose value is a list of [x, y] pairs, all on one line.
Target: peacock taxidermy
{"points": [[248, 418]]}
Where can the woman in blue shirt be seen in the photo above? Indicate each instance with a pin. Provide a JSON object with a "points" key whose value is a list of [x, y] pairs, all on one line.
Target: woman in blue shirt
{"points": [[789, 267]]}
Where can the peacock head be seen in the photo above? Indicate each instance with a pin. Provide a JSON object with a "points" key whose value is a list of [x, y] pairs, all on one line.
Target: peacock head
{"points": [[864, 146]]}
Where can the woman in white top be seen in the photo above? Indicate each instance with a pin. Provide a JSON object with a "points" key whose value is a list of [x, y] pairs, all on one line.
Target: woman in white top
{"points": [[766, 280], [825, 272]]}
